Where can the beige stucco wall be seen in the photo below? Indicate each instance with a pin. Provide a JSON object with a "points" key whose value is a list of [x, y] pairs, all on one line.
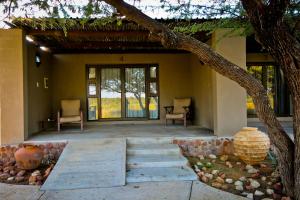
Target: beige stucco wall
{"points": [[201, 76], [229, 99], [69, 75], [39, 97], [12, 87]]}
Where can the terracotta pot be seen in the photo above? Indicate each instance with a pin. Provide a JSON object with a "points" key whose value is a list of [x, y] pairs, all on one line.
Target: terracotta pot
{"points": [[29, 157], [251, 145]]}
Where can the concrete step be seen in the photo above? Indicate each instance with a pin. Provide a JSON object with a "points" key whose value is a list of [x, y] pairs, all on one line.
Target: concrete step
{"points": [[149, 140], [160, 174], [140, 161], [146, 149]]}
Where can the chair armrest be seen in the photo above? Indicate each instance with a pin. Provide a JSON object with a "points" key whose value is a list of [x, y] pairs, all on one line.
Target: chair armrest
{"points": [[169, 109], [186, 109]]}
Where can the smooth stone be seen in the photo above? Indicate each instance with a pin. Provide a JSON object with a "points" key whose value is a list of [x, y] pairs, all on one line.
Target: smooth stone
{"points": [[250, 196], [244, 194], [258, 193], [254, 184], [249, 167], [228, 180], [238, 183], [263, 178], [239, 188], [214, 172], [220, 180], [210, 176], [243, 178], [224, 157], [216, 185], [270, 191], [212, 156], [201, 157], [252, 171], [11, 178]]}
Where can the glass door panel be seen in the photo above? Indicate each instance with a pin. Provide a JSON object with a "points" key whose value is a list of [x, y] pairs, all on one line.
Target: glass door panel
{"points": [[111, 98], [135, 92]]}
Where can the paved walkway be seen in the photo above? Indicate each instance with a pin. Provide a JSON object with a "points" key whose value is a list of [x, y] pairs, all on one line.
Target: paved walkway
{"points": [[181, 190], [89, 164]]}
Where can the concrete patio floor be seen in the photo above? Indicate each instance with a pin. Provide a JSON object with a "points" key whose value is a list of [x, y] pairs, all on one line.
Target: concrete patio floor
{"points": [[122, 131]]}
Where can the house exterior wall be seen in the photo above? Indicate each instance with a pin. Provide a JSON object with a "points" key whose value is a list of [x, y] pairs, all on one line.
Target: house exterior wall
{"points": [[201, 76], [39, 97], [229, 99], [69, 75], [12, 86]]}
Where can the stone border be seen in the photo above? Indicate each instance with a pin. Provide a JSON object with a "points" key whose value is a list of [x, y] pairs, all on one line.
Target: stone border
{"points": [[206, 146]]}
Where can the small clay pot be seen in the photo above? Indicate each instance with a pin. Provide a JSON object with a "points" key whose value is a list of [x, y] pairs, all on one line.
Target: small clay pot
{"points": [[29, 157]]}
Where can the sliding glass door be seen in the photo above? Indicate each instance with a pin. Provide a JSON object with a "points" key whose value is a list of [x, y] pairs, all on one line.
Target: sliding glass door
{"points": [[111, 93], [121, 92], [135, 92]]}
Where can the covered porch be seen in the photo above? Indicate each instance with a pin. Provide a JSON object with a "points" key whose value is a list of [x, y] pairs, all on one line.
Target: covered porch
{"points": [[51, 66], [123, 131]]}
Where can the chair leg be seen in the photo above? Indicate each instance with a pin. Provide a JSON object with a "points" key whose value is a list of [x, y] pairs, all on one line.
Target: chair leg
{"points": [[81, 125], [184, 121], [58, 126], [166, 122], [173, 121]]}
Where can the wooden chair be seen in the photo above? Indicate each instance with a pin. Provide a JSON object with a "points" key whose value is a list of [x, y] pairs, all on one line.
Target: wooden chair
{"points": [[70, 112], [181, 110]]}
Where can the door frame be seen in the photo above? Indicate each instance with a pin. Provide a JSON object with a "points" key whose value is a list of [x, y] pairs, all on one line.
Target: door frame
{"points": [[122, 68]]}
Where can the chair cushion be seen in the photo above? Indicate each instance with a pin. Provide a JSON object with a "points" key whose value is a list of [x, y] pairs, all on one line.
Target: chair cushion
{"points": [[180, 103], [174, 116], [70, 119], [70, 108]]}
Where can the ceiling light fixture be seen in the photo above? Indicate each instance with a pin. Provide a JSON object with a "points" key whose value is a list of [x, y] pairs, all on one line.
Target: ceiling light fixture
{"points": [[43, 48], [29, 39]]}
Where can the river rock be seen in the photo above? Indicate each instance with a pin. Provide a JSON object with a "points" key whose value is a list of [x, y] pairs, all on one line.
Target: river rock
{"points": [[258, 193], [229, 180], [212, 156], [224, 158], [252, 171], [250, 196], [270, 191], [220, 180], [21, 173], [248, 167], [204, 179], [254, 184], [238, 183], [201, 157], [239, 188], [11, 178], [216, 184], [243, 178], [263, 178], [208, 175], [214, 172], [4, 176]]}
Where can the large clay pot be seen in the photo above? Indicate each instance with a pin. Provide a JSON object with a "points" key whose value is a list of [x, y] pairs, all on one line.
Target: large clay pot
{"points": [[29, 157], [251, 145]]}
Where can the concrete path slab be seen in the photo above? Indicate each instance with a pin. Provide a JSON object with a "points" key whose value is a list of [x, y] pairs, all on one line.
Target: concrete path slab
{"points": [[138, 191], [201, 191], [89, 164], [16, 192]]}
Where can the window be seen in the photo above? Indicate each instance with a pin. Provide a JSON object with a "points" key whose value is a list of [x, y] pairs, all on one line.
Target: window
{"points": [[273, 81], [125, 92]]}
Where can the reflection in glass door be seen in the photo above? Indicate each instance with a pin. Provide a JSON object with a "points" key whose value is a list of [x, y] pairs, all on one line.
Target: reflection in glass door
{"points": [[135, 92], [120, 92], [111, 95]]}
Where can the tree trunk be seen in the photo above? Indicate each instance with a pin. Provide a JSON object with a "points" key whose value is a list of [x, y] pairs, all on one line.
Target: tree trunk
{"points": [[254, 88], [274, 35]]}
